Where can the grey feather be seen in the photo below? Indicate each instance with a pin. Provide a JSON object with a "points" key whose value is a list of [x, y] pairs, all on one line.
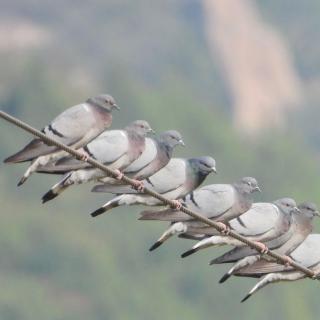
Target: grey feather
{"points": [[219, 202], [178, 178], [300, 228], [74, 127], [116, 148], [263, 222], [296, 226], [307, 254], [157, 154]]}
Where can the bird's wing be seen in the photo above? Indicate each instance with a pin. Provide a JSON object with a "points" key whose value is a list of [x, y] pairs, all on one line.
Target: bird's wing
{"points": [[69, 128], [211, 201], [307, 254], [149, 154], [259, 220], [109, 146]]}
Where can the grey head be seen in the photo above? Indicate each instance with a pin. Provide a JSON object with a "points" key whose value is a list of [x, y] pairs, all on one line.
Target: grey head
{"points": [[287, 205], [309, 209], [203, 165], [247, 185], [140, 127], [105, 101], [171, 138]]}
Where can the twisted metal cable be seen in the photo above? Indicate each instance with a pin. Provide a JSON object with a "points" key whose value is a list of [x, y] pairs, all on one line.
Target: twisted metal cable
{"points": [[279, 258]]}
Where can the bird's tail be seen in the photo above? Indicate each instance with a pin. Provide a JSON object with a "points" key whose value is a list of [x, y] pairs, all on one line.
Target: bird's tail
{"points": [[32, 168], [125, 200], [31, 151], [272, 277], [247, 261], [57, 189], [176, 228], [115, 189], [205, 243], [113, 203]]}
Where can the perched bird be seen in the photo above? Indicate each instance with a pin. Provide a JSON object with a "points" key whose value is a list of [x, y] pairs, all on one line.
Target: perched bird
{"points": [[306, 254], [115, 148], [263, 222], [74, 127], [156, 155], [178, 178], [219, 202], [300, 228]]}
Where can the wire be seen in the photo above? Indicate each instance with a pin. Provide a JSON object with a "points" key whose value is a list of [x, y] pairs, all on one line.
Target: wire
{"points": [[279, 258]]}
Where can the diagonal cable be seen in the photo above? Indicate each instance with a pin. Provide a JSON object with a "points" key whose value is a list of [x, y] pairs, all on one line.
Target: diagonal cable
{"points": [[279, 258]]}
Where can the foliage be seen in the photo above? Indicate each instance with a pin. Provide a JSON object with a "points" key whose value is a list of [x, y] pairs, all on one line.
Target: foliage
{"points": [[57, 262]]}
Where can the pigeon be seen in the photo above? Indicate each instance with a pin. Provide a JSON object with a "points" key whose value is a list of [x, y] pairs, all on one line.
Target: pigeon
{"points": [[300, 228], [74, 127], [116, 148], [263, 222], [306, 254], [156, 155], [219, 202], [178, 178]]}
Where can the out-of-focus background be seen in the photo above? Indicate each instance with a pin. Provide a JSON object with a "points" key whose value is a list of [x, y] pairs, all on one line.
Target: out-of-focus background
{"points": [[239, 78]]}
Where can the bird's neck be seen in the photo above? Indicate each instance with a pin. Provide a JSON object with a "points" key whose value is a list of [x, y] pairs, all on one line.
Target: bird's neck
{"points": [[96, 104], [165, 149]]}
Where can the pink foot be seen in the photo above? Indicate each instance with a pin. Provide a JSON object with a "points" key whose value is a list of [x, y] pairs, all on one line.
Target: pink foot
{"points": [[263, 248], [316, 276], [84, 156], [176, 204], [224, 228], [138, 185], [288, 261], [119, 174]]}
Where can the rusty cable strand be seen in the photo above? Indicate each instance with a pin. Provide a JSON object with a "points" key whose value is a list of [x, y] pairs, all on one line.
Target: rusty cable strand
{"points": [[279, 258]]}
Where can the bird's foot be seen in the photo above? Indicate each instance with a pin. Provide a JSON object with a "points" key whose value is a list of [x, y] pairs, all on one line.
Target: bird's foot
{"points": [[262, 247], [138, 185], [84, 156], [119, 174], [225, 230], [316, 275], [177, 205], [288, 262]]}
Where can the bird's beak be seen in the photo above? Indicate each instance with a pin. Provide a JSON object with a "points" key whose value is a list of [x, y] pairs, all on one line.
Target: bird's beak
{"points": [[317, 213], [152, 131], [115, 106], [181, 142], [296, 210], [214, 169], [257, 188]]}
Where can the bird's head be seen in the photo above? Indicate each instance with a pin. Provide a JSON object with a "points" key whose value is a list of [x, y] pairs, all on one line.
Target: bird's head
{"points": [[171, 138], [309, 209], [248, 185], [104, 100], [287, 205]]}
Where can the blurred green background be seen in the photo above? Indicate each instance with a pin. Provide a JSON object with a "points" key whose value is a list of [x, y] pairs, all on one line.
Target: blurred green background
{"points": [[239, 79]]}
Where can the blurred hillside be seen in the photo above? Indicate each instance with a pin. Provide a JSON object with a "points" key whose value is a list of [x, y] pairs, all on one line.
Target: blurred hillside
{"points": [[157, 61]]}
